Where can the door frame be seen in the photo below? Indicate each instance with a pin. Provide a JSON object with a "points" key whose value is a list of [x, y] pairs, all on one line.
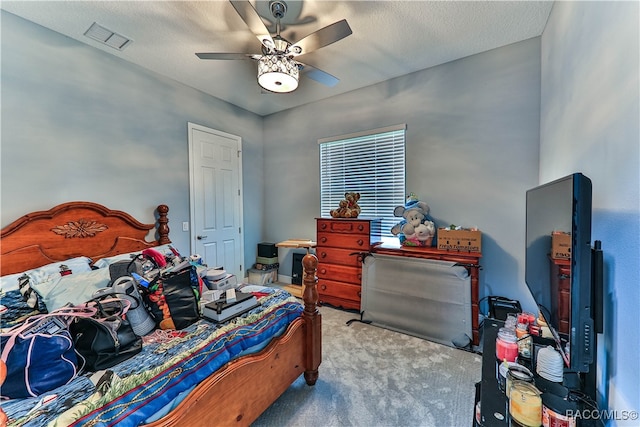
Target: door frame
{"points": [[192, 231]]}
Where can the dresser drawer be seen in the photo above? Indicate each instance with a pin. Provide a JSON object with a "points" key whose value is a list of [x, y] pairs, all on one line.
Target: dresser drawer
{"points": [[343, 291], [350, 226], [338, 256], [342, 273], [347, 241]]}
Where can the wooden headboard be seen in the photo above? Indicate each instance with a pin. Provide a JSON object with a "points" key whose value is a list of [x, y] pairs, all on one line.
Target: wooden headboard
{"points": [[75, 229]]}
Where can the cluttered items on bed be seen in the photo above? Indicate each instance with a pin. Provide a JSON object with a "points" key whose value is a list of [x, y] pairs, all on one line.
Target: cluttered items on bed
{"points": [[169, 284], [173, 298], [231, 303], [86, 334], [107, 337], [48, 350], [138, 315], [39, 356], [194, 352], [179, 374]]}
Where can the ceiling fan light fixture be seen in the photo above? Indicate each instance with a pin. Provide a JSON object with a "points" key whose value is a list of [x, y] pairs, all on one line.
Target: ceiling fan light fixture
{"points": [[278, 73]]}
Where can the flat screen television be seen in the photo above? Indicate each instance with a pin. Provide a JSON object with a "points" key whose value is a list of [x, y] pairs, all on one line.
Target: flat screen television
{"points": [[563, 205]]}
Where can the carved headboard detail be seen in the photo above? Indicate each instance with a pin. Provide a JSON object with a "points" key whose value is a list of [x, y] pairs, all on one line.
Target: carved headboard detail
{"points": [[80, 228], [75, 229]]}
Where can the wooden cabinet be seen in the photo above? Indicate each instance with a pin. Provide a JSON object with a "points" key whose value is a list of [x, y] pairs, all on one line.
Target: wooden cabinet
{"points": [[561, 286], [340, 244]]}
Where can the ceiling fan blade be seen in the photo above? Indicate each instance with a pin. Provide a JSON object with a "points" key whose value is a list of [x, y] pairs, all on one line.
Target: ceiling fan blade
{"points": [[228, 56], [318, 75], [250, 16], [323, 37]]}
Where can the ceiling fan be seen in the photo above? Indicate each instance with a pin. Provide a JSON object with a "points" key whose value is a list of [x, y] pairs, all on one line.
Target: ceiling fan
{"points": [[278, 71]]}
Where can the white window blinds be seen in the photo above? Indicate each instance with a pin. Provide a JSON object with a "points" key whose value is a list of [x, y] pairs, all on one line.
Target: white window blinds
{"points": [[370, 163]]}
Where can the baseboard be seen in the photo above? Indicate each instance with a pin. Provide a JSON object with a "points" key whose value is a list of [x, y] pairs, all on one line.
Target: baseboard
{"points": [[284, 279]]}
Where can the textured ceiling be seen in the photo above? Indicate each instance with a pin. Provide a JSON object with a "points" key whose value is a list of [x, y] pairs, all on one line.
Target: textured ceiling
{"points": [[390, 39]]}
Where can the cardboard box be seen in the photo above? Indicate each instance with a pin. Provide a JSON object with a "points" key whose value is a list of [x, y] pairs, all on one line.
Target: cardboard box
{"points": [[560, 245], [459, 240]]}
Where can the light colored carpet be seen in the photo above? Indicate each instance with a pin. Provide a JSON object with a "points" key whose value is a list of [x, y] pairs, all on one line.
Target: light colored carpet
{"points": [[373, 377]]}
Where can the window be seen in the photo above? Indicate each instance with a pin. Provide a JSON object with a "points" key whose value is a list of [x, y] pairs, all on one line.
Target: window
{"points": [[370, 163]]}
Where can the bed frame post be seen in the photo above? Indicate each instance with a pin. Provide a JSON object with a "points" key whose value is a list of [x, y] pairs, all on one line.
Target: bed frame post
{"points": [[163, 228], [312, 319]]}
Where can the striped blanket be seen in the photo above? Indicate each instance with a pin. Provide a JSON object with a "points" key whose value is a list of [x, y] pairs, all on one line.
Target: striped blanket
{"points": [[154, 381]]}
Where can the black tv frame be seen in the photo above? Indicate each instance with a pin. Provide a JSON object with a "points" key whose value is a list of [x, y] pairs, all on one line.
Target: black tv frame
{"points": [[581, 335]]}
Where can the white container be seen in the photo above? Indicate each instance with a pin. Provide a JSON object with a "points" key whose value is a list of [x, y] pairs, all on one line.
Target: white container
{"points": [[227, 282], [263, 277], [213, 274]]}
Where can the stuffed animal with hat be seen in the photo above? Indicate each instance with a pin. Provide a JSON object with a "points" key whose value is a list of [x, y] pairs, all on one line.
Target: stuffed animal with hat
{"points": [[416, 228]]}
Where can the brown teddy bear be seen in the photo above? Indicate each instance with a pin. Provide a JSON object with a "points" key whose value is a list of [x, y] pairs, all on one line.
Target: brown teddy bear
{"points": [[339, 213], [348, 207]]}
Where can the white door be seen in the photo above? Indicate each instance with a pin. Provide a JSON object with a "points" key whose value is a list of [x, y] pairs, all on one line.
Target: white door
{"points": [[215, 171]]}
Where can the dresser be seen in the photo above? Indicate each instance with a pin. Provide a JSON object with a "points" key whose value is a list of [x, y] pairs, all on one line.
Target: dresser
{"points": [[340, 244], [561, 285]]}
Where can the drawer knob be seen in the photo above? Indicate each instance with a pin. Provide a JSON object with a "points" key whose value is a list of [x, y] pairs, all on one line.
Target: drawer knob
{"points": [[323, 271], [360, 242], [323, 226], [361, 227], [323, 240], [360, 294], [323, 287], [360, 277], [323, 254]]}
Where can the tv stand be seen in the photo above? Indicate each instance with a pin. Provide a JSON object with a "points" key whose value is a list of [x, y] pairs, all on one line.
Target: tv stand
{"points": [[493, 402]]}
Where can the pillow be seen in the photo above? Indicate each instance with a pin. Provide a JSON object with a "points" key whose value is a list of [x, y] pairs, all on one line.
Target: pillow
{"points": [[9, 282], [75, 288], [40, 274], [51, 271]]}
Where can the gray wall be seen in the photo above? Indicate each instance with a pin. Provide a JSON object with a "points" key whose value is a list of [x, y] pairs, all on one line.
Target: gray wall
{"points": [[472, 152], [80, 124], [590, 122]]}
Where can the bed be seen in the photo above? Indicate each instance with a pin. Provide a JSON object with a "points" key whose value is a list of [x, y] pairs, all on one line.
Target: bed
{"points": [[240, 386]]}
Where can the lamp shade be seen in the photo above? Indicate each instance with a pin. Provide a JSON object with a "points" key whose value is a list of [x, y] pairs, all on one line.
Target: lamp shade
{"points": [[278, 73]]}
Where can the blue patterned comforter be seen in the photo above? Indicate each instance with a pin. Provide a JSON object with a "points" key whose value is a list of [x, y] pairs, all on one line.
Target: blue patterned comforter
{"points": [[151, 383]]}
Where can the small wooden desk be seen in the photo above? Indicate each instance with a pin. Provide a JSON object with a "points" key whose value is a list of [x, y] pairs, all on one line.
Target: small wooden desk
{"points": [[469, 260], [296, 290], [297, 244]]}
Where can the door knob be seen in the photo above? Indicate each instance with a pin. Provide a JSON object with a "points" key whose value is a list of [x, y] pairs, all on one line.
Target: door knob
{"points": [[201, 237]]}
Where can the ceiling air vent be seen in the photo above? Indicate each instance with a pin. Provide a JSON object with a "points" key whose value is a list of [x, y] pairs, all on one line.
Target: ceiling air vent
{"points": [[108, 37]]}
